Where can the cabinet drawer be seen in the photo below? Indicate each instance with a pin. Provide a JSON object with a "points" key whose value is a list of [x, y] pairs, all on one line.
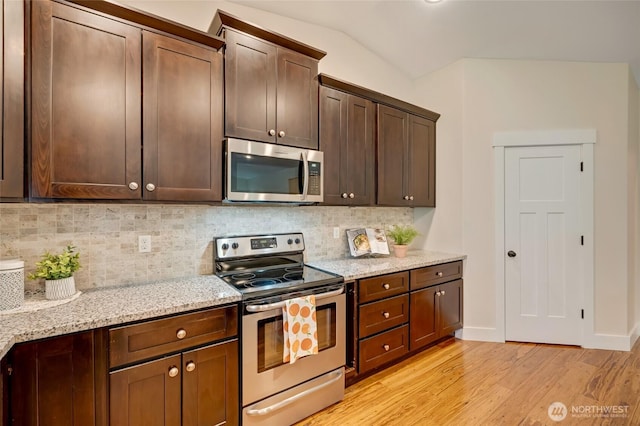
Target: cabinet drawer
{"points": [[377, 288], [435, 274], [385, 347], [158, 337], [382, 315]]}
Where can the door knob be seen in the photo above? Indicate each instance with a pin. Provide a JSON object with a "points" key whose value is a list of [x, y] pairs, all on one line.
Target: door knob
{"points": [[511, 253]]}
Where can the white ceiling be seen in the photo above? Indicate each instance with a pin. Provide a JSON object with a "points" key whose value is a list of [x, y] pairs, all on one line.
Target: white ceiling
{"points": [[419, 37]]}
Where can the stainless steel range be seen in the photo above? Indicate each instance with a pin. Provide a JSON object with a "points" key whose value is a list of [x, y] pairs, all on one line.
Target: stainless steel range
{"points": [[268, 270]]}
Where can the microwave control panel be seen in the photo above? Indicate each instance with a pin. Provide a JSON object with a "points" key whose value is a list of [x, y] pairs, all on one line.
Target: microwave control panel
{"points": [[315, 178]]}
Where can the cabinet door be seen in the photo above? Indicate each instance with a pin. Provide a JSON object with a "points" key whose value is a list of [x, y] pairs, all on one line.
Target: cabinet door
{"points": [[423, 323], [182, 120], [333, 138], [146, 394], [360, 155], [297, 100], [54, 381], [210, 392], [12, 99], [86, 104], [4, 392], [250, 88], [392, 157], [421, 162], [450, 302]]}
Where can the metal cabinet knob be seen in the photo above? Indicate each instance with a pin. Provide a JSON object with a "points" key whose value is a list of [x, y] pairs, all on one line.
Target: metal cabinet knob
{"points": [[344, 195], [385, 286], [150, 187], [439, 274], [133, 186], [181, 334], [272, 132], [411, 197], [511, 253], [385, 314], [437, 293], [406, 197], [351, 195], [190, 366], [386, 347], [281, 134], [173, 371], [442, 293]]}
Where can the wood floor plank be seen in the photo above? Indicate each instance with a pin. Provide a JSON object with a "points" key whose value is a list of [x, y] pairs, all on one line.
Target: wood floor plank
{"points": [[480, 383]]}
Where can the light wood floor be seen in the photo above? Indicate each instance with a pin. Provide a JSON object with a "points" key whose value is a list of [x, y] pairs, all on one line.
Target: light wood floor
{"points": [[479, 383]]}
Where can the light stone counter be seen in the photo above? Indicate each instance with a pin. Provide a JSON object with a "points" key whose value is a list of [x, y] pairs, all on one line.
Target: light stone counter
{"points": [[356, 268], [115, 305]]}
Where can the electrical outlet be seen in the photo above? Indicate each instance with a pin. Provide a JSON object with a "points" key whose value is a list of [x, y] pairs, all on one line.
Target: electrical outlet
{"points": [[144, 243], [336, 232]]}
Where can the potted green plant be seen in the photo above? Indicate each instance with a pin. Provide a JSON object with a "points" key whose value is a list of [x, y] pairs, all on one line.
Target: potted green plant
{"points": [[57, 271], [402, 236]]}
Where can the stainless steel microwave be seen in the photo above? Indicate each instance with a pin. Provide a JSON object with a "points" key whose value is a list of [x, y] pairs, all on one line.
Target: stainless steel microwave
{"points": [[256, 171]]}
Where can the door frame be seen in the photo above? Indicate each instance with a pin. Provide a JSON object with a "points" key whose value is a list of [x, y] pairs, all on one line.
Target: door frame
{"points": [[586, 138]]}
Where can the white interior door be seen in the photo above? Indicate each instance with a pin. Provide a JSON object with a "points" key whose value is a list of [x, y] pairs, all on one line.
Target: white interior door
{"points": [[542, 244]]}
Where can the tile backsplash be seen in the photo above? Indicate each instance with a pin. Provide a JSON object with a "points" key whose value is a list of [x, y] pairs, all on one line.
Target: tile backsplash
{"points": [[106, 235]]}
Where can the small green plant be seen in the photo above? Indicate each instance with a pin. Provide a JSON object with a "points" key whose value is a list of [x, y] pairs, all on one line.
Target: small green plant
{"points": [[402, 235], [57, 266]]}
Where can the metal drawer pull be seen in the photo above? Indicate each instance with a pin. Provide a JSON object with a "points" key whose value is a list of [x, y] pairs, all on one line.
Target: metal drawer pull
{"points": [[272, 132], [406, 197], [279, 305], [385, 314], [386, 347], [437, 293], [150, 187], [190, 366], [352, 195], [442, 293], [181, 334], [333, 376], [411, 198], [344, 195], [439, 274], [385, 286], [133, 186], [281, 134], [173, 371]]}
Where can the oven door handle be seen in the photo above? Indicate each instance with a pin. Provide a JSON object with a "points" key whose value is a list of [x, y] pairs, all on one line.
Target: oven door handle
{"points": [[277, 305], [337, 375]]}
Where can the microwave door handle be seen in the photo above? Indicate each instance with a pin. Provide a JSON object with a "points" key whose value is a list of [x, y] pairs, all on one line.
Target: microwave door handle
{"points": [[305, 171]]}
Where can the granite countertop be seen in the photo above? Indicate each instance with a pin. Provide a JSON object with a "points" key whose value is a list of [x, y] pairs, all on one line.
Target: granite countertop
{"points": [[118, 305], [115, 305], [356, 268]]}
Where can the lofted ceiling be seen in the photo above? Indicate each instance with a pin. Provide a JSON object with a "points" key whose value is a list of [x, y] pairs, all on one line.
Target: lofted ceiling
{"points": [[420, 37]]}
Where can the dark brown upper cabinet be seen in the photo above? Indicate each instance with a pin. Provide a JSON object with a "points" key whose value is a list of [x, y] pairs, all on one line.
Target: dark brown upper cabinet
{"points": [[12, 100], [182, 121], [92, 114], [271, 84], [347, 138], [406, 159]]}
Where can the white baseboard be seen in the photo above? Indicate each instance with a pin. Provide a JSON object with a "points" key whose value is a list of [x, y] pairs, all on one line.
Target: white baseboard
{"points": [[481, 334], [612, 342]]}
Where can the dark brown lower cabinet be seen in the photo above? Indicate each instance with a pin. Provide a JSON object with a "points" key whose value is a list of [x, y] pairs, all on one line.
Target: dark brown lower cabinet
{"points": [[59, 381], [196, 387], [435, 312]]}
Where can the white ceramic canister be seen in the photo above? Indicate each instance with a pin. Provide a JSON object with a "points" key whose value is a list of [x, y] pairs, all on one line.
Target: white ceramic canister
{"points": [[11, 284]]}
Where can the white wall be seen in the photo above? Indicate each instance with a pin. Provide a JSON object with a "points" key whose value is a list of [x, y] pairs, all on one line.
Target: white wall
{"points": [[503, 95], [441, 228], [346, 59], [633, 194]]}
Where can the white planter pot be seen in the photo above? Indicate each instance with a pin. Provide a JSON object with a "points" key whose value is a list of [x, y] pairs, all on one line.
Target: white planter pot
{"points": [[60, 289]]}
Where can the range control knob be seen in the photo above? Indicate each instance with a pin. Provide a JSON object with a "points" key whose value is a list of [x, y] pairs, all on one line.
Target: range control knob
{"points": [[224, 246], [234, 246], [297, 240], [289, 241]]}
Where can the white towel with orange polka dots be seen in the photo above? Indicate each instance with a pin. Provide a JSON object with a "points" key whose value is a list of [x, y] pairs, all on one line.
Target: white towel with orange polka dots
{"points": [[300, 328]]}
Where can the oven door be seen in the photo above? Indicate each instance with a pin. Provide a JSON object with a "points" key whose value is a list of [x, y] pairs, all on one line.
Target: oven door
{"points": [[265, 374], [258, 171]]}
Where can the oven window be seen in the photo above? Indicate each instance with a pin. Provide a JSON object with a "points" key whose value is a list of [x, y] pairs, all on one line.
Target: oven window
{"points": [[257, 174], [271, 336]]}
